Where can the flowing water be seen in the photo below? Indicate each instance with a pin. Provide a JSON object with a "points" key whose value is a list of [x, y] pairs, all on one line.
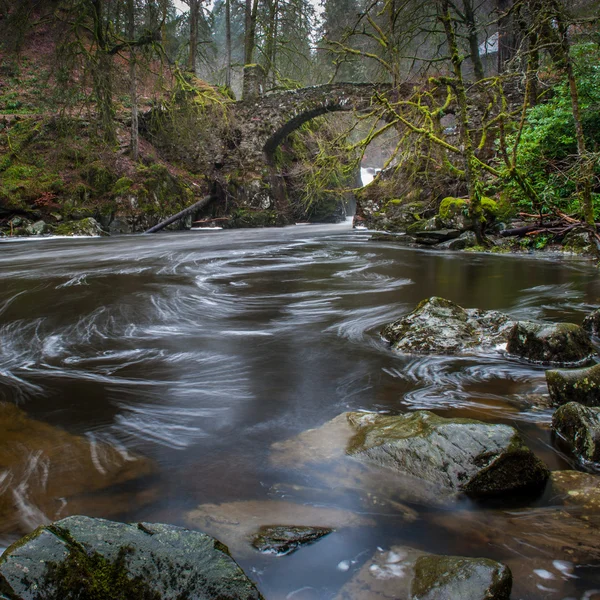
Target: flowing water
{"points": [[193, 353]]}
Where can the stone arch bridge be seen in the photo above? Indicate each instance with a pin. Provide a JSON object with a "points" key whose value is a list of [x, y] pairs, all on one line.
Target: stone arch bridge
{"points": [[262, 123]]}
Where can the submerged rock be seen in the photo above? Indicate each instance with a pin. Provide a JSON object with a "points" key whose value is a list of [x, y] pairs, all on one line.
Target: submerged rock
{"points": [[238, 524], [579, 427], [48, 472], [592, 323], [80, 557], [439, 326], [285, 539], [575, 385], [404, 573], [463, 455], [550, 343], [574, 488]]}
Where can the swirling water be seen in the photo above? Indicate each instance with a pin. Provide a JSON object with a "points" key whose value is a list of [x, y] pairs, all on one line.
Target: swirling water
{"points": [[200, 350]]}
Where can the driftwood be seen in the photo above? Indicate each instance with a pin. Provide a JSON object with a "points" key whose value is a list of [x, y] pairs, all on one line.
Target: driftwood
{"points": [[196, 206]]}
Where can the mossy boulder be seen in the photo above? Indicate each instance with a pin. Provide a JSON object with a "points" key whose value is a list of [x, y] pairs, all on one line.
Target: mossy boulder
{"points": [[575, 385], [453, 213], [592, 323], [561, 344], [462, 455], [253, 218], [406, 573], [94, 559], [439, 326], [579, 427], [83, 227], [581, 240]]}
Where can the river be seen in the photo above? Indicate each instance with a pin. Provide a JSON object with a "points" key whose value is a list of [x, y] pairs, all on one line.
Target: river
{"points": [[199, 350]]}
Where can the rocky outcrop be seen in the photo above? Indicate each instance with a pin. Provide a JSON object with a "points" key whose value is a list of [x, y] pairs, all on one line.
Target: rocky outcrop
{"points": [[579, 427], [80, 557], [439, 326], [562, 344], [462, 455], [285, 539], [404, 573], [575, 385], [84, 227]]}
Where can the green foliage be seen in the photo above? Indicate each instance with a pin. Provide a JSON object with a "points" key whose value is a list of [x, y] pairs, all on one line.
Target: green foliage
{"points": [[548, 147]]}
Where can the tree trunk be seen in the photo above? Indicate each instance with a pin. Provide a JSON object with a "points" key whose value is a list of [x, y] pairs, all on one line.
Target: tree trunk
{"points": [[250, 34], [228, 42], [186, 211], [472, 170], [473, 38], [194, 7], [133, 82]]}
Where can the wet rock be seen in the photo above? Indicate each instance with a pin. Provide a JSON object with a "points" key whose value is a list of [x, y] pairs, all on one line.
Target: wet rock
{"points": [[120, 225], [405, 573], [575, 385], [441, 577], [462, 455], [467, 239], [80, 557], [574, 488], [48, 473], [237, 524], [581, 241], [561, 344], [285, 539], [436, 236], [84, 227], [579, 427], [402, 239], [592, 323], [424, 225], [439, 326], [37, 228]]}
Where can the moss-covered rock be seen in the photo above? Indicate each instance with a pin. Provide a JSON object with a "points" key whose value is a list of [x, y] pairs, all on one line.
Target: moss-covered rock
{"points": [[581, 240], [253, 218], [454, 212], [579, 427], [561, 344], [462, 455], [83, 227], [575, 385], [405, 573], [439, 326], [80, 558]]}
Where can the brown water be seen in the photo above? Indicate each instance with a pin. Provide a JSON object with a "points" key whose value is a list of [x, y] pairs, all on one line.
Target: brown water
{"points": [[197, 351]]}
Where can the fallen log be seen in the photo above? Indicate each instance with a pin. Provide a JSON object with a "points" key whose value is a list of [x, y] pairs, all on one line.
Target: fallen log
{"points": [[186, 211], [521, 231]]}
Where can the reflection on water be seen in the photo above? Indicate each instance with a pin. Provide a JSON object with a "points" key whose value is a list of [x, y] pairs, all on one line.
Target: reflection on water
{"points": [[200, 351]]}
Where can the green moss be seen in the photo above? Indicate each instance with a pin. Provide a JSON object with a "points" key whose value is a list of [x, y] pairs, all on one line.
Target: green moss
{"points": [[489, 207], [122, 186], [87, 575], [450, 207], [253, 218]]}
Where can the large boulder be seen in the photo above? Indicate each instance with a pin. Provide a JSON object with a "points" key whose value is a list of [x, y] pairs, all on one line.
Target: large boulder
{"points": [[462, 455], [408, 574], [592, 323], [579, 427], [562, 344], [88, 227], [80, 557], [439, 326], [575, 385]]}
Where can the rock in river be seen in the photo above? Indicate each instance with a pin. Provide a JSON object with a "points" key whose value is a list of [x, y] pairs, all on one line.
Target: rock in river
{"points": [[579, 427], [561, 344], [592, 323], [80, 557], [285, 539], [462, 455], [439, 326], [404, 573], [575, 385]]}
